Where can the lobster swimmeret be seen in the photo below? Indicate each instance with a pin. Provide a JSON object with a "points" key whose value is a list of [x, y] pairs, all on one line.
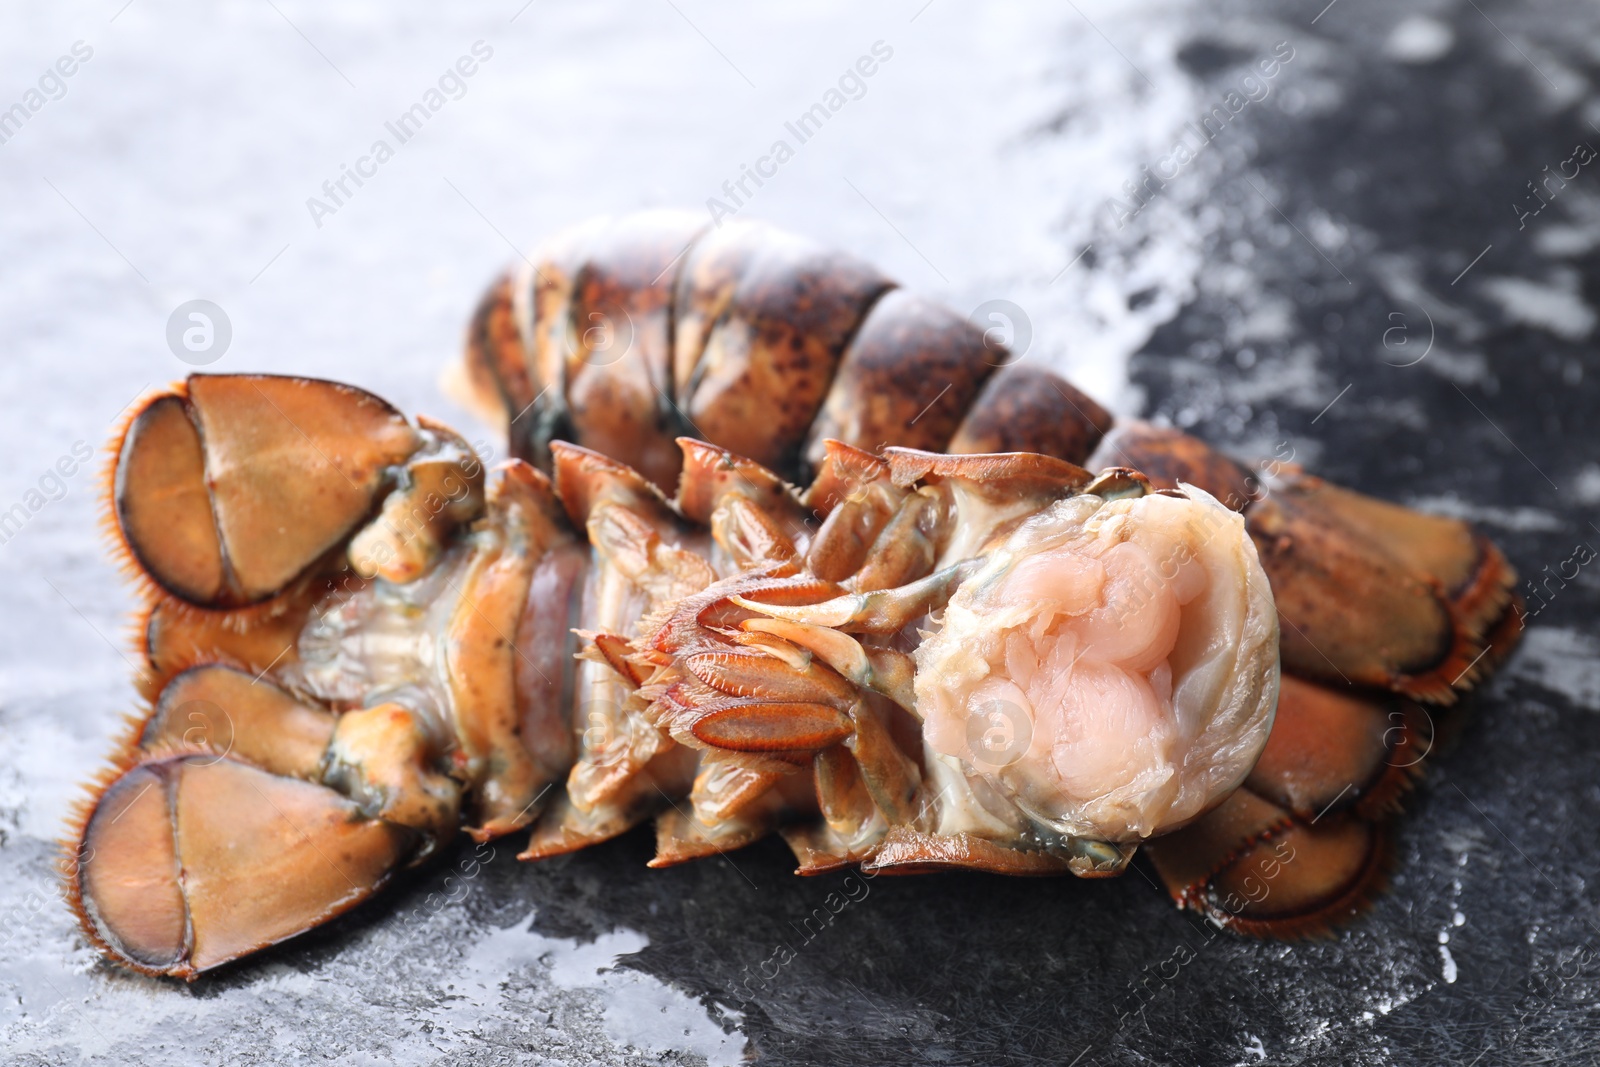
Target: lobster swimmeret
{"points": [[955, 647]]}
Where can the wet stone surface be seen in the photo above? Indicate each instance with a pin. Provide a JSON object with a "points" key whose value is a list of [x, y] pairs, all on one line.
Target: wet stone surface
{"points": [[1352, 270]]}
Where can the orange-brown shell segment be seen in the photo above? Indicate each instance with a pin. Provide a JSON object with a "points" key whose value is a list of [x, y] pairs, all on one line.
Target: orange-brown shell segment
{"points": [[229, 487], [909, 375]]}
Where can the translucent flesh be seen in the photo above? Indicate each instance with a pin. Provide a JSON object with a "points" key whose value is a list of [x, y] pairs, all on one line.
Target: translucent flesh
{"points": [[1112, 671]]}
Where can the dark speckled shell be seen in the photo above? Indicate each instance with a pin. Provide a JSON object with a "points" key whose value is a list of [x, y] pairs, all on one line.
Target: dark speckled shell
{"points": [[618, 363], [496, 362], [1027, 409], [1169, 456], [780, 311], [907, 379]]}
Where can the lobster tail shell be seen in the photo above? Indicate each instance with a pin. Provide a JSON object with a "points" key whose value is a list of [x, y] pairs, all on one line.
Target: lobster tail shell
{"points": [[630, 334], [1169, 457], [775, 314], [908, 378], [1028, 409]]}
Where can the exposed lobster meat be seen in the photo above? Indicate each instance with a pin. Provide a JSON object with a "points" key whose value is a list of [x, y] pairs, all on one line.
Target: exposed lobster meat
{"points": [[955, 647]]}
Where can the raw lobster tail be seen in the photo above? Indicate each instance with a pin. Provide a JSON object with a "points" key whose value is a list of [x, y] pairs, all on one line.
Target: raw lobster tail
{"points": [[1380, 607], [996, 630]]}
